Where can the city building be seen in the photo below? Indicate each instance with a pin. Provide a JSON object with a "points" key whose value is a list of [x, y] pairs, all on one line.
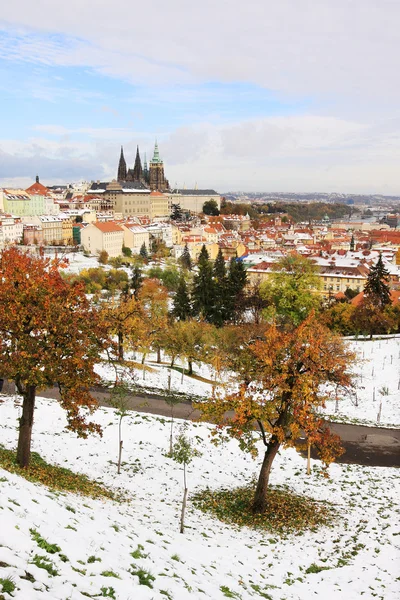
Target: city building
{"points": [[99, 236]]}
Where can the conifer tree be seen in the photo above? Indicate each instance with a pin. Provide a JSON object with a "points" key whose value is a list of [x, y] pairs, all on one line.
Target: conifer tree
{"points": [[203, 287], [143, 252], [182, 309], [352, 243], [237, 279], [136, 280], [185, 259], [222, 292], [377, 288]]}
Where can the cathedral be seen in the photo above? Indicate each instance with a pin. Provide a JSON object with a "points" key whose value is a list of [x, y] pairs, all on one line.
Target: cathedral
{"points": [[151, 177]]}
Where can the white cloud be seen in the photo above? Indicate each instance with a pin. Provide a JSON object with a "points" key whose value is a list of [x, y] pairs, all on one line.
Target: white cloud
{"points": [[304, 153], [347, 47]]}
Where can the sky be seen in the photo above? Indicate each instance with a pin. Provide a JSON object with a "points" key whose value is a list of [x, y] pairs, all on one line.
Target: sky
{"points": [[288, 96]]}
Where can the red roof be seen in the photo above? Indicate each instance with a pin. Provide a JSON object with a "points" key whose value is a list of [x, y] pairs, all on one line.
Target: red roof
{"points": [[38, 188], [107, 226], [156, 193], [394, 296]]}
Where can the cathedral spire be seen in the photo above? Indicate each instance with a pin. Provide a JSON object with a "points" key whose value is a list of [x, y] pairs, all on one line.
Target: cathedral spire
{"points": [[121, 167], [137, 169]]}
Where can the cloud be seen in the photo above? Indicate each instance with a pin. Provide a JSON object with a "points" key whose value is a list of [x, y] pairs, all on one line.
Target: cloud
{"points": [[346, 48], [302, 153]]}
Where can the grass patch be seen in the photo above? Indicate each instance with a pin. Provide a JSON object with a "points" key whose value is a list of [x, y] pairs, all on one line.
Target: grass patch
{"points": [[286, 512], [7, 585], [44, 544], [42, 562], [56, 478], [145, 577]]}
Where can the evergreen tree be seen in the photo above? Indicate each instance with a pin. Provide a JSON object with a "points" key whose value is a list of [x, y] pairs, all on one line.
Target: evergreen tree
{"points": [[237, 279], [136, 280], [182, 309], [143, 252], [176, 213], [377, 288], [203, 287], [222, 292], [352, 243], [185, 259]]}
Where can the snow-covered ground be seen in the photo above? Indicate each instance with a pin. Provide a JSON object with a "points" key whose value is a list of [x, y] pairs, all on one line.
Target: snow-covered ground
{"points": [[211, 559], [378, 366]]}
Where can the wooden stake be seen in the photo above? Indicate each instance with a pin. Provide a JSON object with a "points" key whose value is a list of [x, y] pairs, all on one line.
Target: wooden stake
{"points": [[308, 458]]}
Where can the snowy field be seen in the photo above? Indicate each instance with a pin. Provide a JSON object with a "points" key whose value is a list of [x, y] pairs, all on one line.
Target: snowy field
{"points": [[378, 366], [210, 560]]}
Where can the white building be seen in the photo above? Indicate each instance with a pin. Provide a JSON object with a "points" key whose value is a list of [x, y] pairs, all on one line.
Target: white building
{"points": [[135, 236], [100, 236], [11, 230]]}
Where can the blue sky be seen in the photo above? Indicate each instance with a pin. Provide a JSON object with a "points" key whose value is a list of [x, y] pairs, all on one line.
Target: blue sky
{"points": [[295, 97]]}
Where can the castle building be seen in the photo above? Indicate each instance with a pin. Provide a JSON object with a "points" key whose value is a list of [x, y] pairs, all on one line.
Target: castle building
{"points": [[153, 177]]}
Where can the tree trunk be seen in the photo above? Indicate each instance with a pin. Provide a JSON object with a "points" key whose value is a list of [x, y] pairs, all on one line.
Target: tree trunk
{"points": [[260, 496], [120, 345], [172, 362], [190, 365], [25, 426], [120, 445], [184, 500], [119, 457], [159, 355]]}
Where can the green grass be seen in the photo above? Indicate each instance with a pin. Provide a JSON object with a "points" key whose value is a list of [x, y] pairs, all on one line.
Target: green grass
{"points": [[145, 577], [316, 569], [44, 544], [56, 478], [286, 512], [42, 562], [110, 574], [138, 553], [7, 585]]}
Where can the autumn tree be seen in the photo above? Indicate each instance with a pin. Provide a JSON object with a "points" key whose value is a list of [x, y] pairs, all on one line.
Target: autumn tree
{"points": [[123, 315], [281, 383], [290, 290], [154, 298], [49, 334]]}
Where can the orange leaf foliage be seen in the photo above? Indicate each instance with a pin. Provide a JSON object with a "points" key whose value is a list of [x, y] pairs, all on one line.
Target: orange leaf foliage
{"points": [[49, 333]]}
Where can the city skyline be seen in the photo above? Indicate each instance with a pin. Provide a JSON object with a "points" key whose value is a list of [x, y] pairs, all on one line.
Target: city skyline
{"points": [[298, 97]]}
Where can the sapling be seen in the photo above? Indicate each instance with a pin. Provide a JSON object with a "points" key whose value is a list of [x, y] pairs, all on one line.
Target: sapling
{"points": [[183, 453], [171, 399], [384, 391], [119, 399]]}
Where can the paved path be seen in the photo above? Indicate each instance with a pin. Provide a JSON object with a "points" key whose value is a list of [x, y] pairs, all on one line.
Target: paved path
{"points": [[370, 446]]}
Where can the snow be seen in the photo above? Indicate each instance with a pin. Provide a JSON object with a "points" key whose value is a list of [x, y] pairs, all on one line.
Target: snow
{"points": [[377, 366], [210, 557]]}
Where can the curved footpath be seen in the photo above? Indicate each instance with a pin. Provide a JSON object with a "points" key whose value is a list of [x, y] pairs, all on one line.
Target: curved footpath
{"points": [[369, 446]]}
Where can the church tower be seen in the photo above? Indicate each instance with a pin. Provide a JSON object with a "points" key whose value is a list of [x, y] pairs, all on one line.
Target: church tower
{"points": [[121, 167], [137, 169], [157, 179]]}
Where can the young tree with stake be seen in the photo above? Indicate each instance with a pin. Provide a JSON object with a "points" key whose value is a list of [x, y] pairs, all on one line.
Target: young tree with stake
{"points": [[183, 453]]}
